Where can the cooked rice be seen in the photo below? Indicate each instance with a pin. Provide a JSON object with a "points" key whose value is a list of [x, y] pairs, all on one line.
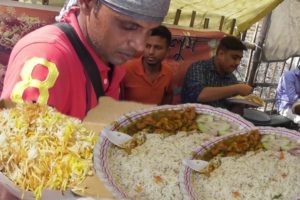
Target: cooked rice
{"points": [[151, 170], [265, 175]]}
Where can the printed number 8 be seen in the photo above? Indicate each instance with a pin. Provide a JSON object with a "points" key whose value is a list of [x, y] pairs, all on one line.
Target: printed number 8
{"points": [[28, 81]]}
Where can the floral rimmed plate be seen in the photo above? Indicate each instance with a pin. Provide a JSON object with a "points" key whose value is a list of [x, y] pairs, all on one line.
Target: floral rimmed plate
{"points": [[102, 150], [280, 146]]}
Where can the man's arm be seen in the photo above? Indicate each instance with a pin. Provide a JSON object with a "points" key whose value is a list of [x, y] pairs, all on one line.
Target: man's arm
{"points": [[288, 84], [286, 91], [209, 94], [35, 75]]}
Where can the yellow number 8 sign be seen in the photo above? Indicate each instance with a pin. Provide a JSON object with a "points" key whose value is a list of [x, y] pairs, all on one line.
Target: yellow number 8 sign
{"points": [[27, 80]]}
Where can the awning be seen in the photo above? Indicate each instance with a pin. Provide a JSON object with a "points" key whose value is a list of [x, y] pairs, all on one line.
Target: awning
{"points": [[245, 12], [282, 38]]}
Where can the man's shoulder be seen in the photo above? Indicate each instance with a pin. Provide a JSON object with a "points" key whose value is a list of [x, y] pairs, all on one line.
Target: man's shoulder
{"points": [[47, 34], [48, 42], [48, 50], [133, 64], [202, 65], [43, 41], [292, 72], [205, 63], [167, 68]]}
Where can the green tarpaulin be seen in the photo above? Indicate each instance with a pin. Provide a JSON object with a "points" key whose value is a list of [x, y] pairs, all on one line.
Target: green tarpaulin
{"points": [[246, 12]]}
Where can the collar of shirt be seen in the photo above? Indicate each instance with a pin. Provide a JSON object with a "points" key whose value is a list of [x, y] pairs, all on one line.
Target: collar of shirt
{"points": [[140, 70]]}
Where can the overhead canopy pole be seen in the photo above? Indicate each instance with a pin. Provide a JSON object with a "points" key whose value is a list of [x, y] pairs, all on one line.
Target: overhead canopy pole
{"points": [[258, 49]]}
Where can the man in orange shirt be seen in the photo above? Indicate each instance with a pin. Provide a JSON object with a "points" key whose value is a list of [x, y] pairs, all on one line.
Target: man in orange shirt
{"points": [[147, 79]]}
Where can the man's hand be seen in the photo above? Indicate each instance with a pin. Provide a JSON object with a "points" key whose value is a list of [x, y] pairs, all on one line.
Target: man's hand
{"points": [[209, 94], [296, 107], [243, 89]]}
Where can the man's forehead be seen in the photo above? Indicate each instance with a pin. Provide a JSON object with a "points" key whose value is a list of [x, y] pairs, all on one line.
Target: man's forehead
{"points": [[238, 53]]}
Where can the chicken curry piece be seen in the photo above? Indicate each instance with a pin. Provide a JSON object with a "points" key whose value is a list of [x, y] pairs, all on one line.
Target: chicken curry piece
{"points": [[232, 146], [167, 122], [237, 145]]}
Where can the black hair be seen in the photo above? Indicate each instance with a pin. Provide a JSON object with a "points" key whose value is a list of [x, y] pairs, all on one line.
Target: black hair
{"points": [[98, 6], [163, 32], [231, 43]]}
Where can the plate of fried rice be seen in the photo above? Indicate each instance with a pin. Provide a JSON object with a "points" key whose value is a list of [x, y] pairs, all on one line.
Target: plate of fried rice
{"points": [[163, 136], [260, 164]]}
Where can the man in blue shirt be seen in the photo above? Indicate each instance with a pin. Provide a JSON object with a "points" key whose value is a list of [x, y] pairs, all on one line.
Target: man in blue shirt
{"points": [[212, 81], [288, 92]]}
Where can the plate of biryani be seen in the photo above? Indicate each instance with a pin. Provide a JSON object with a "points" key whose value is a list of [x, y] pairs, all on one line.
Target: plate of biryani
{"points": [[148, 166], [251, 100], [43, 150], [260, 164]]}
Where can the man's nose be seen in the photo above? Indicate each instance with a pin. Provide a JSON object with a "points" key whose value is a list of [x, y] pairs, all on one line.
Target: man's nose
{"points": [[151, 50], [138, 43]]}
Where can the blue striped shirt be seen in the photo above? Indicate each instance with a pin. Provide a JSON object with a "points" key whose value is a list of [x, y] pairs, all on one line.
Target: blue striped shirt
{"points": [[288, 89], [202, 74]]}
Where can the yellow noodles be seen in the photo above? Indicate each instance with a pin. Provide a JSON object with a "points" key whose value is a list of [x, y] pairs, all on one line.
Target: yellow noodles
{"points": [[41, 148]]}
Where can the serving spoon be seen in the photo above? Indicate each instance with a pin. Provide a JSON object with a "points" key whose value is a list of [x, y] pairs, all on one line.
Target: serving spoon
{"points": [[196, 165], [116, 137]]}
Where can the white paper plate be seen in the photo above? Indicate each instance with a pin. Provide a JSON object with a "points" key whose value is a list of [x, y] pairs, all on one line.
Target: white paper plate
{"points": [[101, 150], [186, 173], [243, 101]]}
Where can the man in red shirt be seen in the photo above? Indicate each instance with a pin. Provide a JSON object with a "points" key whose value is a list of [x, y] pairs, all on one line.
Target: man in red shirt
{"points": [[45, 68], [147, 79]]}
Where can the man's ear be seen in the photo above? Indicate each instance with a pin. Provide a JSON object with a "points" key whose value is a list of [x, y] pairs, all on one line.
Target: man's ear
{"points": [[221, 52], [168, 51]]}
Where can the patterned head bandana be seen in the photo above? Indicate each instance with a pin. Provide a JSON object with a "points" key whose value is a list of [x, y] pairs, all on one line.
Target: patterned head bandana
{"points": [[148, 10]]}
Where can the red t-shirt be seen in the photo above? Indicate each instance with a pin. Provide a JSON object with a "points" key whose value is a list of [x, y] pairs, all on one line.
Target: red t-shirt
{"points": [[138, 87], [44, 67]]}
